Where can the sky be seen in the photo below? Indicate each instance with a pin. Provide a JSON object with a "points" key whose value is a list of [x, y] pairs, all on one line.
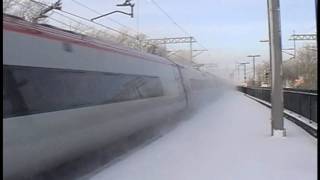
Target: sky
{"points": [[229, 29]]}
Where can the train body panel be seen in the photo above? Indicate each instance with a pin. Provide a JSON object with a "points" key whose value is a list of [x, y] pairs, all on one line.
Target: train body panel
{"points": [[37, 142], [201, 88], [65, 95]]}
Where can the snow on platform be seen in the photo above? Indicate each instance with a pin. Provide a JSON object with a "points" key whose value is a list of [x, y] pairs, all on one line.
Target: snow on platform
{"points": [[296, 116], [228, 140]]}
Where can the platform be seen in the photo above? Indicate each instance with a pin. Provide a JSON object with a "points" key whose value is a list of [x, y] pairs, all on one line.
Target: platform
{"points": [[227, 140]]}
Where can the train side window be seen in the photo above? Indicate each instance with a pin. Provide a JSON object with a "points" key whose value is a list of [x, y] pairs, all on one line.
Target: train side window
{"points": [[30, 90]]}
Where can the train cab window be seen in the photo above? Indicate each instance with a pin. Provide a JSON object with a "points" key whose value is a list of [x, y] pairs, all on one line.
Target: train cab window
{"points": [[30, 90]]}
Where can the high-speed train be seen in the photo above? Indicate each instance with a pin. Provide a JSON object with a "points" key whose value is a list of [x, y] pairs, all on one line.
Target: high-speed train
{"points": [[65, 94]]}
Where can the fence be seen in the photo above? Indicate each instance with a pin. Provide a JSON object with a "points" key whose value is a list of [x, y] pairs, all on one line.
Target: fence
{"points": [[302, 102]]}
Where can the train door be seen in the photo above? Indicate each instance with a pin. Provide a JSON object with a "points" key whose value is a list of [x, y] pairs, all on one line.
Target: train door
{"points": [[182, 85]]}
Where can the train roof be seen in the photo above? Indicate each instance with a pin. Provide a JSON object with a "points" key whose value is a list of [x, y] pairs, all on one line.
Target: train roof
{"points": [[18, 24]]}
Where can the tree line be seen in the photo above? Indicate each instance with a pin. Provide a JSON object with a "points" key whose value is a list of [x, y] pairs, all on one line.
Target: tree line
{"points": [[30, 11], [299, 72]]}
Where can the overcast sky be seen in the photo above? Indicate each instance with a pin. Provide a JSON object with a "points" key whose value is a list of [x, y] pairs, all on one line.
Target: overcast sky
{"points": [[230, 29]]}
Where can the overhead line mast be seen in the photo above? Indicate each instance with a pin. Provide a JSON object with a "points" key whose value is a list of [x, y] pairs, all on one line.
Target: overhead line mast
{"points": [[98, 13], [180, 27], [276, 52]]}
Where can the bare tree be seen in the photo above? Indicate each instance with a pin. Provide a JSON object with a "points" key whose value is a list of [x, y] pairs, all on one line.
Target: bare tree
{"points": [[307, 67], [30, 11], [300, 72], [8, 4], [262, 73], [25, 9]]}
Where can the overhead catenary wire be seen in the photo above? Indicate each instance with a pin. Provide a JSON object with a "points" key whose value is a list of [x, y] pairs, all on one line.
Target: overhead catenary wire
{"points": [[99, 24], [179, 26], [98, 13], [88, 20], [83, 18], [109, 28], [136, 31], [132, 37], [56, 20], [169, 17], [73, 27]]}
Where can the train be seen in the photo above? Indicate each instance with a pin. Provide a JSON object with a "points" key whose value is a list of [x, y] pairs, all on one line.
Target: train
{"points": [[65, 94]]}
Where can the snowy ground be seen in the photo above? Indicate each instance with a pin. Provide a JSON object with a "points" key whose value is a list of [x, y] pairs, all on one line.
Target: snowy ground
{"points": [[228, 140]]}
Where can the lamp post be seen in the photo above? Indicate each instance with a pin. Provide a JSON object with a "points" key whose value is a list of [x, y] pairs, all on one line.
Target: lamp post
{"points": [[267, 41], [254, 67], [244, 70]]}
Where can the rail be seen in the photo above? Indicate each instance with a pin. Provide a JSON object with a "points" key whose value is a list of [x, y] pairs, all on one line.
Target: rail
{"points": [[302, 102]]}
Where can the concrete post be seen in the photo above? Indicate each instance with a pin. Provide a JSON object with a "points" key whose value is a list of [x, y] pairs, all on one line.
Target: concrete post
{"points": [[269, 42], [276, 90], [238, 72], [254, 67], [316, 4], [191, 38], [245, 73], [254, 71]]}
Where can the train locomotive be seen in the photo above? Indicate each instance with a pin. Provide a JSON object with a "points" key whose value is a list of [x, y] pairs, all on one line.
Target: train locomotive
{"points": [[65, 94]]}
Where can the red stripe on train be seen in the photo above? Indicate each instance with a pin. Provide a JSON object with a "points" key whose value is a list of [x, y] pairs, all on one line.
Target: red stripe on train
{"points": [[80, 42]]}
